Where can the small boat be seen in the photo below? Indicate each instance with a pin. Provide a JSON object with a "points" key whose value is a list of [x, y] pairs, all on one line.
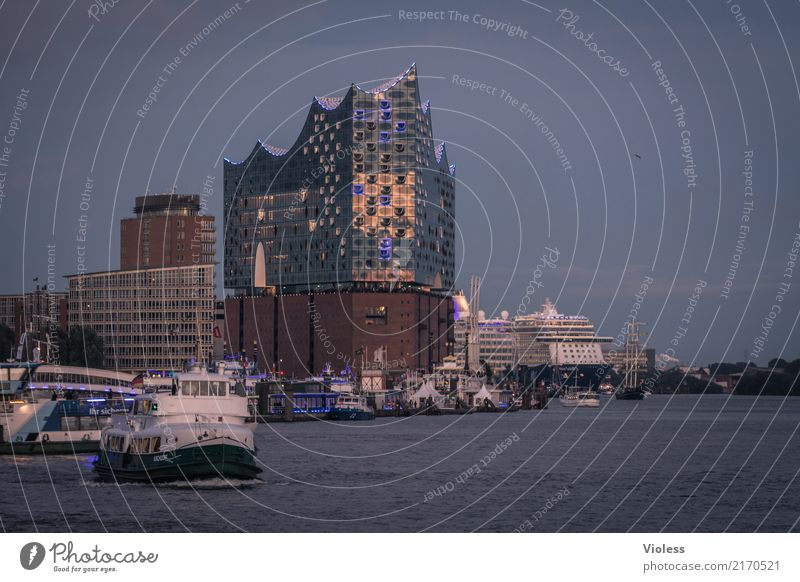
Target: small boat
{"points": [[352, 407], [606, 389], [195, 428], [573, 398]]}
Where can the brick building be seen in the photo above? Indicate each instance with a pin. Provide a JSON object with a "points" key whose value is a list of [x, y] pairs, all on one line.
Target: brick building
{"points": [[299, 333], [168, 230], [34, 311]]}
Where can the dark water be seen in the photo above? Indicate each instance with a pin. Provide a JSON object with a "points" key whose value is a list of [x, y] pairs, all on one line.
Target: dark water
{"points": [[680, 464]]}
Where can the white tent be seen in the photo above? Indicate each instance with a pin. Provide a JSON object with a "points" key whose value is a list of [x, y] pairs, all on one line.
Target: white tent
{"points": [[482, 394], [427, 391]]}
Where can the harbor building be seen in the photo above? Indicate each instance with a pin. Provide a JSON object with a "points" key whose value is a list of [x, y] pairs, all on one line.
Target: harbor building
{"points": [[148, 319], [341, 247], [167, 230], [299, 333]]}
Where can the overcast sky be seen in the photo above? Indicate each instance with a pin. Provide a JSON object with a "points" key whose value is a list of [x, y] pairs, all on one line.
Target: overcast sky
{"points": [[658, 108]]}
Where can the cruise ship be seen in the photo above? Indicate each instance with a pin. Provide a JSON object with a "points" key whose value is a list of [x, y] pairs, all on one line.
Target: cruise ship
{"points": [[564, 349]]}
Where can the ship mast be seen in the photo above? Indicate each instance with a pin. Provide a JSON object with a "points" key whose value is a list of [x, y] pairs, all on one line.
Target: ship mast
{"points": [[632, 353]]}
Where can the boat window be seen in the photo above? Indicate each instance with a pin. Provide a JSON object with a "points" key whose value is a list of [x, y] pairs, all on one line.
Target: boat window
{"points": [[204, 388]]}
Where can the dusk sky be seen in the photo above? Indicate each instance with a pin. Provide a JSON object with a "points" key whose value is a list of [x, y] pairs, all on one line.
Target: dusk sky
{"points": [[645, 148]]}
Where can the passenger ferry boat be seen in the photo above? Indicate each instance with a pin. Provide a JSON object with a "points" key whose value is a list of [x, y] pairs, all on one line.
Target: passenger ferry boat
{"points": [[51, 409], [195, 428], [352, 407]]}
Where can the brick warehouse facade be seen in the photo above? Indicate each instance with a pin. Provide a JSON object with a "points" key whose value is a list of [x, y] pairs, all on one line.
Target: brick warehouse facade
{"points": [[298, 334]]}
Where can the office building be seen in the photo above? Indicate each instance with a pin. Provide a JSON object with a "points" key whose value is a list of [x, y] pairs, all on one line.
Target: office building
{"points": [[496, 342], [148, 319]]}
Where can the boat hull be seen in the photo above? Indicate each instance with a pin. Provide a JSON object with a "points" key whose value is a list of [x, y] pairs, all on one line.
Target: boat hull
{"points": [[630, 395], [580, 402], [351, 414], [49, 447], [213, 461]]}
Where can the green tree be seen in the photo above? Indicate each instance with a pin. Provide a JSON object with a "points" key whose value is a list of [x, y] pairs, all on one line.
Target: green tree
{"points": [[59, 347], [7, 342], [84, 348]]}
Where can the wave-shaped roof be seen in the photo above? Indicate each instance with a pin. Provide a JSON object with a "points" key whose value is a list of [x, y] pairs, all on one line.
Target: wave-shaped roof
{"points": [[329, 103], [390, 83], [332, 103]]}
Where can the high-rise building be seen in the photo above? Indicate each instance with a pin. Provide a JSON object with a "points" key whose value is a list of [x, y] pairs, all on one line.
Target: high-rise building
{"points": [[364, 199], [149, 319], [168, 230], [362, 204], [160, 308]]}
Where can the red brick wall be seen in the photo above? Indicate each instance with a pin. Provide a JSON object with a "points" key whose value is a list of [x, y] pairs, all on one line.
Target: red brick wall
{"points": [[167, 246], [416, 331]]}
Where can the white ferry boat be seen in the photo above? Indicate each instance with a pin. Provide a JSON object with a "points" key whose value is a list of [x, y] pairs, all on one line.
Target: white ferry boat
{"points": [[195, 428], [51, 409]]}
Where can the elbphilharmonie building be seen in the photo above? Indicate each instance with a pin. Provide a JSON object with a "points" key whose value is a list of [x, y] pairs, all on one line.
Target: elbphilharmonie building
{"points": [[364, 199]]}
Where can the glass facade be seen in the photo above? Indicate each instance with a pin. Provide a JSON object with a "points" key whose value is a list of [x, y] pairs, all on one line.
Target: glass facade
{"points": [[363, 199]]}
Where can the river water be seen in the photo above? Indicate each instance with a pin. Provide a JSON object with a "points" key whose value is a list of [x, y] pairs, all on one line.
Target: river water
{"points": [[676, 464]]}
